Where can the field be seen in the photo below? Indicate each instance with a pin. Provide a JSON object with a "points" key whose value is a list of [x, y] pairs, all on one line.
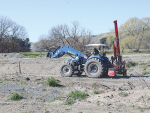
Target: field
{"points": [[34, 85]]}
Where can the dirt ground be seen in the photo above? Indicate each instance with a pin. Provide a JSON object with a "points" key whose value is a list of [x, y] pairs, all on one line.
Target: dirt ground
{"points": [[27, 77]]}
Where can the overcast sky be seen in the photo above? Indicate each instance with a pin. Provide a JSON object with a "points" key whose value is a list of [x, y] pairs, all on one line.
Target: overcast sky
{"points": [[39, 16]]}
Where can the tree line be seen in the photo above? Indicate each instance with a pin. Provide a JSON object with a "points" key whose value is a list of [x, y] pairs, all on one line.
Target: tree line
{"points": [[133, 34], [75, 36], [13, 37]]}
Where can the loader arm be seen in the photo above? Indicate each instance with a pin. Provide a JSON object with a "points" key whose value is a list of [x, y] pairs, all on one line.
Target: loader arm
{"points": [[62, 50]]}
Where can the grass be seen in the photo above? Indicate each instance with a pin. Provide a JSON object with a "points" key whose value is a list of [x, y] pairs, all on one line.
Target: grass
{"points": [[75, 95], [96, 92], [69, 101], [15, 97], [123, 94], [143, 108], [131, 64], [33, 54], [144, 67], [56, 98], [142, 63], [78, 95], [36, 54], [126, 52], [145, 73], [108, 52], [23, 82], [52, 82]]}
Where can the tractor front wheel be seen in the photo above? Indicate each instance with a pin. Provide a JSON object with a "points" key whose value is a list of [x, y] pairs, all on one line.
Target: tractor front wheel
{"points": [[66, 70], [94, 68]]}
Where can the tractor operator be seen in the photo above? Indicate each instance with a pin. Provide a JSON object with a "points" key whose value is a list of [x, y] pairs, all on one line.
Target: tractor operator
{"points": [[96, 52]]}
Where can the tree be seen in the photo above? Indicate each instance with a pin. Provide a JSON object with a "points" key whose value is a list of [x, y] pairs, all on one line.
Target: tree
{"points": [[12, 36], [74, 36], [136, 29], [132, 35]]}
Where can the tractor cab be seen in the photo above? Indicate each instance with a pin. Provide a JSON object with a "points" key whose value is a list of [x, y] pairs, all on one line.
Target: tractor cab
{"points": [[98, 49]]}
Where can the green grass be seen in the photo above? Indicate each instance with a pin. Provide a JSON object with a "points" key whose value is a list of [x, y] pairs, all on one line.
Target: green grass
{"points": [[145, 73], [33, 54], [78, 95], [69, 102], [108, 52], [142, 63], [15, 97], [96, 92], [52, 82], [56, 98], [143, 108], [36, 54], [73, 95], [23, 82], [126, 52], [123, 94], [131, 64]]}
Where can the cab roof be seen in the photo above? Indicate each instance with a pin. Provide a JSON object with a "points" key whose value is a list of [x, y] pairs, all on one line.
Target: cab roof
{"points": [[97, 45]]}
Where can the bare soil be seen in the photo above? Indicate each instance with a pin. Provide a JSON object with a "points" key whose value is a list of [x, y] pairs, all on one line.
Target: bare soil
{"points": [[27, 77]]}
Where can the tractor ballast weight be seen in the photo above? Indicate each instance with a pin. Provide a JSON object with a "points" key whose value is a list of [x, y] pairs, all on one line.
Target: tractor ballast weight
{"points": [[118, 64]]}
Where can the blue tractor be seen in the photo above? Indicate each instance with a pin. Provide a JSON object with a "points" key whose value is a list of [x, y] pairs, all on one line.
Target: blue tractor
{"points": [[94, 66], [97, 65]]}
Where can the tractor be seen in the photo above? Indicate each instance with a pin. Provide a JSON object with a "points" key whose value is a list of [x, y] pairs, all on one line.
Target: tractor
{"points": [[94, 66]]}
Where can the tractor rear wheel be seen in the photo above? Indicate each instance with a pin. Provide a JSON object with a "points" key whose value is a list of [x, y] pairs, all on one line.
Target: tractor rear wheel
{"points": [[66, 70], [94, 68]]}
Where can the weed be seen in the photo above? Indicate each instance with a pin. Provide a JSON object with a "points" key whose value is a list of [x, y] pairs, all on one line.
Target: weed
{"points": [[56, 98], [123, 94], [97, 103], [15, 97], [1, 81], [23, 82], [142, 63], [94, 83], [13, 63], [75, 95], [96, 92], [52, 82], [145, 73], [143, 108], [5, 55], [131, 64], [144, 67], [78, 95], [69, 101]]}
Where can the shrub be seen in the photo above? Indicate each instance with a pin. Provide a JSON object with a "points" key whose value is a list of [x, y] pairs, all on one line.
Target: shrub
{"points": [[15, 97], [52, 82], [78, 95]]}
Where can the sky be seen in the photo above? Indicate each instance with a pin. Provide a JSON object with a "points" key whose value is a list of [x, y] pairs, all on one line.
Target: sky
{"points": [[39, 16]]}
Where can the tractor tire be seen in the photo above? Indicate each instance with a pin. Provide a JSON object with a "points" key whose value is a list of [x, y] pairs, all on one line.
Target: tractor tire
{"points": [[94, 68], [66, 70]]}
